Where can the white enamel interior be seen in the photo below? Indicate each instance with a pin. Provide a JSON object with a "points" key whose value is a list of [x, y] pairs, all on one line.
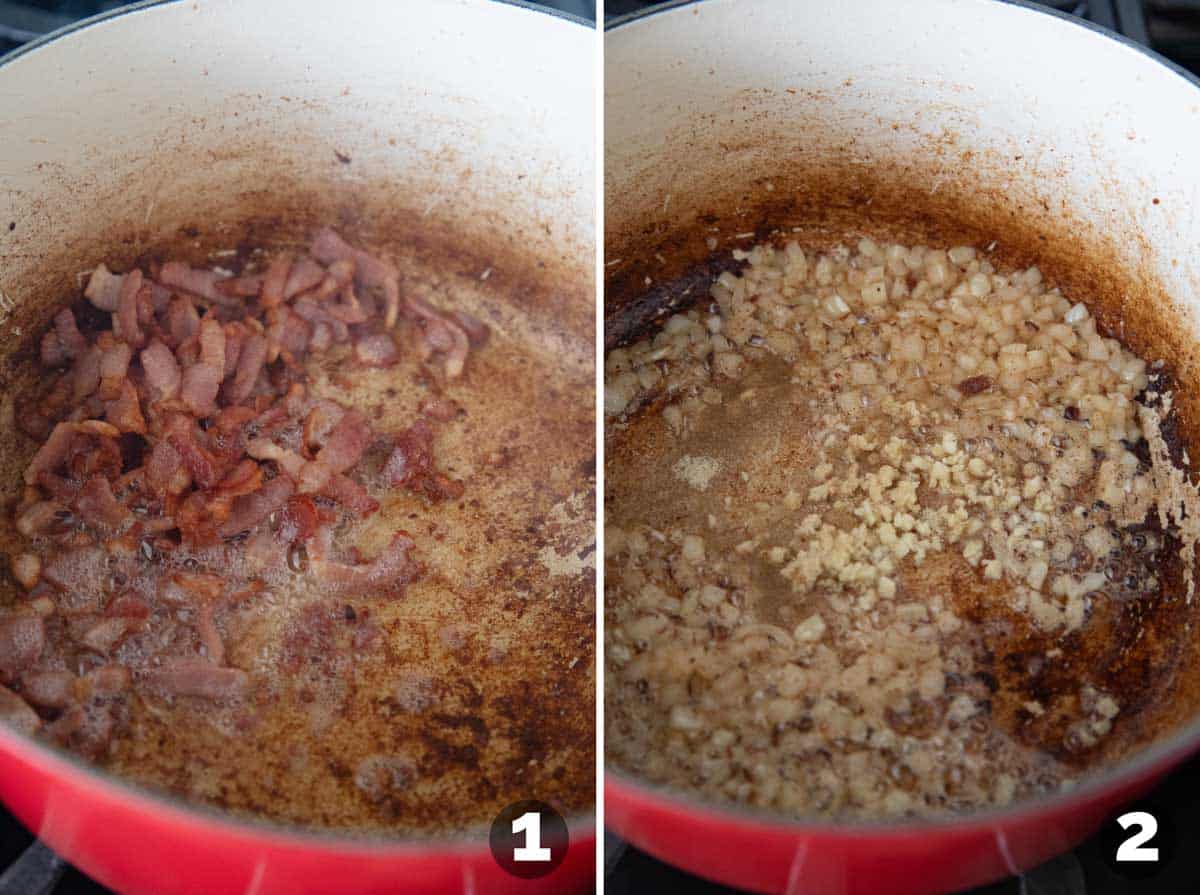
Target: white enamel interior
{"points": [[1058, 115], [161, 115]]}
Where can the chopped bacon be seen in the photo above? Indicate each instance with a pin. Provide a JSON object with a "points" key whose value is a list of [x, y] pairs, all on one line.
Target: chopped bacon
{"points": [[203, 283], [318, 315], [69, 337], [104, 289], [125, 320], [411, 465], [378, 350], [105, 635], [346, 442], [53, 452], [250, 364], [351, 495], [200, 464], [164, 465], [114, 367], [185, 459], [249, 510], [304, 275], [236, 334], [390, 572], [442, 335], [241, 287], [202, 380], [275, 280], [16, 713], [49, 689], [193, 676], [125, 411], [52, 352], [182, 319], [320, 421], [109, 680], [97, 506], [162, 371], [22, 638], [85, 375]]}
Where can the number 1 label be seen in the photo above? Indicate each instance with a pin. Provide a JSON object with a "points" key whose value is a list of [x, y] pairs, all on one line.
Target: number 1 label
{"points": [[530, 823]]}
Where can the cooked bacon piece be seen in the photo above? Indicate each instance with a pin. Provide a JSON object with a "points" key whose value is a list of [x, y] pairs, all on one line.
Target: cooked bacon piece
{"points": [[346, 442], [210, 635], [125, 412], [245, 286], [104, 288], [109, 680], [53, 452], [440, 334], [318, 315], [40, 518], [193, 676], [85, 375], [322, 337], [16, 713], [299, 519], [250, 364], [245, 478], [202, 380], [265, 449], [251, 509], [320, 421], [289, 331], [236, 334], [389, 573], [22, 638], [200, 464], [328, 247], [163, 467], [85, 728], [97, 506], [351, 495], [27, 569], [162, 371], [182, 319], [125, 320], [114, 367], [106, 635], [275, 280], [52, 352], [304, 275], [81, 571], [411, 465], [49, 689], [199, 282], [69, 337], [376, 351], [189, 588]]}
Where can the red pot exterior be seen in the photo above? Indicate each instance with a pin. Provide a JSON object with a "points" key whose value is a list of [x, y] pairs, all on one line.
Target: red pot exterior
{"points": [[792, 859], [140, 845]]}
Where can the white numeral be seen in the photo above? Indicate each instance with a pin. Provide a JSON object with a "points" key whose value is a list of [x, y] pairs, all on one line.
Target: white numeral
{"points": [[1131, 849], [530, 823]]}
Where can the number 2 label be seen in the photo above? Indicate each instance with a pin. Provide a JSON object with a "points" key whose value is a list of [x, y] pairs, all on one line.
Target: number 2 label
{"points": [[1134, 848], [530, 823]]}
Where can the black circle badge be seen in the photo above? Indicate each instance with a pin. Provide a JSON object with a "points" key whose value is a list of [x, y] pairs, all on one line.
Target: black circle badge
{"points": [[1138, 841], [529, 839]]}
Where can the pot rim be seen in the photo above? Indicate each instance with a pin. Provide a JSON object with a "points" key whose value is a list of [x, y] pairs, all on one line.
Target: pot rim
{"points": [[1157, 757], [469, 842]]}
